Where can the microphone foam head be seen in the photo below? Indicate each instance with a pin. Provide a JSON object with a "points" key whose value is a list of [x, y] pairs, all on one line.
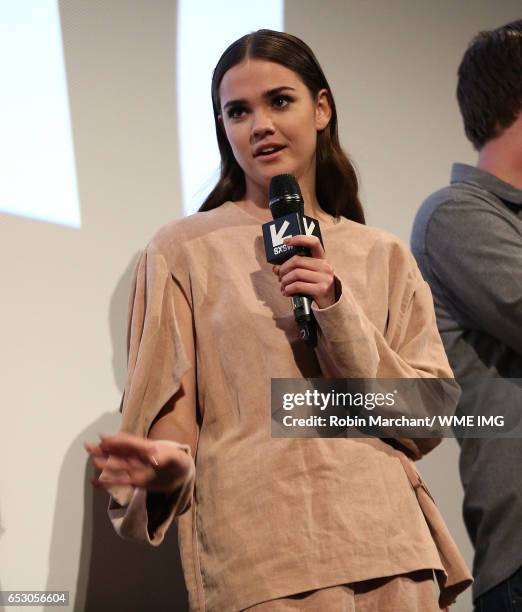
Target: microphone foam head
{"points": [[285, 195]]}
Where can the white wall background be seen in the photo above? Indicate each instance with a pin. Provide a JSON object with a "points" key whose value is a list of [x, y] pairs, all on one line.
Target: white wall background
{"points": [[392, 67]]}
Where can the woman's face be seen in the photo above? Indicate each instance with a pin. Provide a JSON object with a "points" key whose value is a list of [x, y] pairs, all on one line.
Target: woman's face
{"points": [[271, 121]]}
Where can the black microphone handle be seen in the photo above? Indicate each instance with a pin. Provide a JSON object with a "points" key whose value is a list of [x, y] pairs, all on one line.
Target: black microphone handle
{"points": [[302, 307], [285, 197]]}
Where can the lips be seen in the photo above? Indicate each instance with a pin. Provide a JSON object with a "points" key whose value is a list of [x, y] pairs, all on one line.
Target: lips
{"points": [[268, 149]]}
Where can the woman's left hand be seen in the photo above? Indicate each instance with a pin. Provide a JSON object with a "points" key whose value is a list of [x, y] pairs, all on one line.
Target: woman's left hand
{"points": [[312, 276]]}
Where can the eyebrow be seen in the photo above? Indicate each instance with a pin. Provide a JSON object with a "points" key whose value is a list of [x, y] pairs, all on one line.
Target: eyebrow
{"points": [[266, 94]]}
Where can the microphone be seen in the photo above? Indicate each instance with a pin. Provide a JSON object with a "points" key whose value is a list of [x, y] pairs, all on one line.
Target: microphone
{"points": [[287, 206]]}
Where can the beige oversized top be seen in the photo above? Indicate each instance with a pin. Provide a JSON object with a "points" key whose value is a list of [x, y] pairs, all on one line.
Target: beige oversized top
{"points": [[260, 517]]}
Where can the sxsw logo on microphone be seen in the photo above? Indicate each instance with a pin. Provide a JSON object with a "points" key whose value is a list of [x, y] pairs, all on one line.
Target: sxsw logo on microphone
{"points": [[274, 233]]}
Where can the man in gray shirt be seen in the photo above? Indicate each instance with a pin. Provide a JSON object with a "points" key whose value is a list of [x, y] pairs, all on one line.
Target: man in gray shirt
{"points": [[467, 239]]}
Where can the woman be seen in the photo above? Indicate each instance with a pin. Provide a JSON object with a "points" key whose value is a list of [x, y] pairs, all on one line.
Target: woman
{"points": [[276, 524]]}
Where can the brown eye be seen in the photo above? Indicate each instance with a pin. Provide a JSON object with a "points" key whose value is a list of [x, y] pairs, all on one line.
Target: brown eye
{"points": [[282, 101], [235, 112]]}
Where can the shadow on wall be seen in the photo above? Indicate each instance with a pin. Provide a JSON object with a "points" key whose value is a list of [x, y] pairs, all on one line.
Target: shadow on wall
{"points": [[101, 57], [113, 574], [118, 315]]}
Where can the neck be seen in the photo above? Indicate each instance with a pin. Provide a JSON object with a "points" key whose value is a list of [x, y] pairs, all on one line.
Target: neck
{"points": [[502, 156]]}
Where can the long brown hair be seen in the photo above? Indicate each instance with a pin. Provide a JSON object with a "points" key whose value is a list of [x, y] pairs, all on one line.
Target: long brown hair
{"points": [[336, 180]]}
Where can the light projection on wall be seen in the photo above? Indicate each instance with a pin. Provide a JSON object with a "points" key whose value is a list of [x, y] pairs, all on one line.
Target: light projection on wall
{"points": [[37, 169], [205, 29]]}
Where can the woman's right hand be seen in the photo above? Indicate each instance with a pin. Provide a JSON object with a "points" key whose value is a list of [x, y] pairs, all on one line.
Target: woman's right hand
{"points": [[156, 465]]}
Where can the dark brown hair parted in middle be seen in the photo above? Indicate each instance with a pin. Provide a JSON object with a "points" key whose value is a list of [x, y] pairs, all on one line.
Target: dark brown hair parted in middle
{"points": [[489, 89], [336, 180]]}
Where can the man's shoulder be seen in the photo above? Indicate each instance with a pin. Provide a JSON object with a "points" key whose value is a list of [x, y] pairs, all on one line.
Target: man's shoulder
{"points": [[454, 205], [446, 197], [454, 196], [457, 197]]}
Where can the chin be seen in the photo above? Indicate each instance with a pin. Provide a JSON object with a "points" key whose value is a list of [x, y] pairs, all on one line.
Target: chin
{"points": [[277, 169], [263, 178]]}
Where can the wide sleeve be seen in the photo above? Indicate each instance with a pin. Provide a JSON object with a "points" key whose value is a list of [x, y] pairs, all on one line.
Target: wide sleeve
{"points": [[351, 346], [147, 516], [157, 364]]}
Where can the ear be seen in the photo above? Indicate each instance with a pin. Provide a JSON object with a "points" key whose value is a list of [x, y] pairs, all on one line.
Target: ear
{"points": [[221, 123], [323, 110]]}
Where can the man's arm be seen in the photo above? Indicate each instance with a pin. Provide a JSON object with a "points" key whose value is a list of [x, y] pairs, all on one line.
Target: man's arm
{"points": [[475, 253]]}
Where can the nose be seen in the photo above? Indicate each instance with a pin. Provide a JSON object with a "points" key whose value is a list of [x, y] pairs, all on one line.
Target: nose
{"points": [[261, 125]]}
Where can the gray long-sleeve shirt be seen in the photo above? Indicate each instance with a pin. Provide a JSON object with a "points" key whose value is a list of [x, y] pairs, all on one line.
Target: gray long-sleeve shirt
{"points": [[467, 239]]}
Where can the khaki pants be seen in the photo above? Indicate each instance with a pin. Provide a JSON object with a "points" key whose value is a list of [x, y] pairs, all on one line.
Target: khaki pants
{"points": [[413, 592]]}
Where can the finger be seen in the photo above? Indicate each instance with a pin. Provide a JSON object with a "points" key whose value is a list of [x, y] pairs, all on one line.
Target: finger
{"points": [[312, 290], [301, 261], [299, 274], [107, 483], [99, 462], [135, 479], [311, 242], [123, 450], [94, 449], [112, 463], [123, 444]]}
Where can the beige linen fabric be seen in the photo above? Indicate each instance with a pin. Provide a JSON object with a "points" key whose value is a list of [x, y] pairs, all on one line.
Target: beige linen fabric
{"points": [[413, 592], [259, 517]]}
